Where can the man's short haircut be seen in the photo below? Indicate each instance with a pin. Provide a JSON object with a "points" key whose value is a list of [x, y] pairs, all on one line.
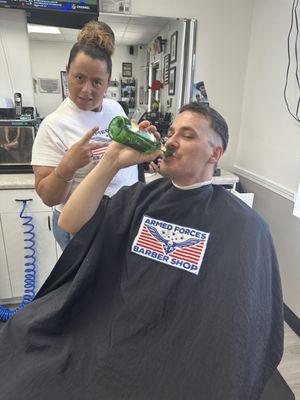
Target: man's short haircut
{"points": [[217, 122]]}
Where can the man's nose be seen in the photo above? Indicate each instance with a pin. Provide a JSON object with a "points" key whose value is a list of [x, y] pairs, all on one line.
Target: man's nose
{"points": [[172, 141]]}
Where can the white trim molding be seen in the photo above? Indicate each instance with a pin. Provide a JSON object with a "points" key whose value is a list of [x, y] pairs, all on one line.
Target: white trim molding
{"points": [[266, 183]]}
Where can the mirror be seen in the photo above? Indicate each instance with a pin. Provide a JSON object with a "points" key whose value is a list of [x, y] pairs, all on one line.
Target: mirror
{"points": [[152, 64]]}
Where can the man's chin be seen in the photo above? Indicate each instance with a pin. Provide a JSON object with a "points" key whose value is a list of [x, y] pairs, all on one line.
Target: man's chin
{"points": [[163, 169]]}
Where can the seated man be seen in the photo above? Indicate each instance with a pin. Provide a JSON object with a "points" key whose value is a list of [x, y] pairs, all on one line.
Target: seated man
{"points": [[169, 291]]}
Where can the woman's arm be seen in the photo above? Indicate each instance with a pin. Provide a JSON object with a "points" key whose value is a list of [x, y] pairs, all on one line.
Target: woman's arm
{"points": [[53, 185]]}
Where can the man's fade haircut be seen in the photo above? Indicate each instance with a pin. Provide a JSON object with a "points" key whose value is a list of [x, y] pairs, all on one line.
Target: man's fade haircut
{"points": [[217, 122]]}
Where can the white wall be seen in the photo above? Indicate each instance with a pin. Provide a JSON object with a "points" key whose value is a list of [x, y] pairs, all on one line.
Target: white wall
{"points": [[121, 55], [269, 137], [15, 68], [285, 229], [49, 58], [269, 148]]}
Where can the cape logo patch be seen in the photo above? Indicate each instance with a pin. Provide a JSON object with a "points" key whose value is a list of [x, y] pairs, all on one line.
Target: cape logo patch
{"points": [[175, 245]]}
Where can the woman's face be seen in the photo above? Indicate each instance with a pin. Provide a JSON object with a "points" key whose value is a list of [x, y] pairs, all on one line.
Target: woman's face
{"points": [[87, 82]]}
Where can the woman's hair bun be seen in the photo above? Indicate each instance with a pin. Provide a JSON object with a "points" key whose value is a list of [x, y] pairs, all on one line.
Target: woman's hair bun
{"points": [[97, 34]]}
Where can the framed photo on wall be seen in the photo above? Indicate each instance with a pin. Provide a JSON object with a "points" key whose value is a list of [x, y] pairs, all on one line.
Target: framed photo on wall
{"points": [[127, 70], [172, 81], [173, 47], [166, 68]]}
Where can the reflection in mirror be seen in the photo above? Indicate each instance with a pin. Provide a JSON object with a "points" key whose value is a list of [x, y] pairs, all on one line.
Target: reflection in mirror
{"points": [[141, 63]]}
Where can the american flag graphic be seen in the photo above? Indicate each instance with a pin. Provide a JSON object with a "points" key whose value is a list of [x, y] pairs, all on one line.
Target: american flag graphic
{"points": [[175, 245], [98, 153]]}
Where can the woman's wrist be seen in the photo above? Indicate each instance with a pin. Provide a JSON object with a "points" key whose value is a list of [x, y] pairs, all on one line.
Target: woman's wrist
{"points": [[62, 177], [64, 173]]}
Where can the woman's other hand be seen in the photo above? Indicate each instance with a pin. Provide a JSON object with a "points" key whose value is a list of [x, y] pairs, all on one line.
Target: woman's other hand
{"points": [[81, 152]]}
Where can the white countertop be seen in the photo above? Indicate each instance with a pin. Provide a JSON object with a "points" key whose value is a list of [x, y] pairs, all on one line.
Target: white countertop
{"points": [[226, 178], [26, 181], [17, 181]]}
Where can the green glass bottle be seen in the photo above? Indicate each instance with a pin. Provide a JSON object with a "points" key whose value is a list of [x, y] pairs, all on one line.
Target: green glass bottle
{"points": [[127, 132]]}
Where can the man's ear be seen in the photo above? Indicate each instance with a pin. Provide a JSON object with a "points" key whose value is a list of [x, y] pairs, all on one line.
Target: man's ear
{"points": [[216, 154]]}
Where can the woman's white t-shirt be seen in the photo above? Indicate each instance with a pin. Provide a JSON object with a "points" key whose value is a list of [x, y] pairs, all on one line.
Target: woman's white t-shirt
{"points": [[64, 127]]}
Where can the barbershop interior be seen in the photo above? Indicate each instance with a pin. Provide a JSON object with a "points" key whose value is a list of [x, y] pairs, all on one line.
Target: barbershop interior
{"points": [[236, 56]]}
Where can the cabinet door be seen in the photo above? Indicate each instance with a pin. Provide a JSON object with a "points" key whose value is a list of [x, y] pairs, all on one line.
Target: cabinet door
{"points": [[45, 248], [5, 288]]}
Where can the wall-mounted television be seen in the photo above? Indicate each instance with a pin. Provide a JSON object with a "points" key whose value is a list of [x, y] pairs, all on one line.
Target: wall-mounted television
{"points": [[89, 6], [68, 14]]}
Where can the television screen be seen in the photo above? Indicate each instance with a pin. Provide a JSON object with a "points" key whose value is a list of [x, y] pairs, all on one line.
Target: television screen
{"points": [[84, 6], [48, 17]]}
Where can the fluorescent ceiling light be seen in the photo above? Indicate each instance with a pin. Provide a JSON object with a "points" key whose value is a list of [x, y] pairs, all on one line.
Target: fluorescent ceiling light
{"points": [[43, 29]]}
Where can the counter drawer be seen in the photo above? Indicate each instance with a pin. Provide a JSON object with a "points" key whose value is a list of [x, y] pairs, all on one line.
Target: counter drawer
{"points": [[8, 201]]}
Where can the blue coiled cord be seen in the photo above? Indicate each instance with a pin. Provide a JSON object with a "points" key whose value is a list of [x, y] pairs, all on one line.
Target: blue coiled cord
{"points": [[30, 267]]}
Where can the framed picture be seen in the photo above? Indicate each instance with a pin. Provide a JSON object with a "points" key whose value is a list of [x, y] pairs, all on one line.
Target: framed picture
{"points": [[64, 84], [173, 47], [127, 70], [166, 68], [199, 92], [172, 81]]}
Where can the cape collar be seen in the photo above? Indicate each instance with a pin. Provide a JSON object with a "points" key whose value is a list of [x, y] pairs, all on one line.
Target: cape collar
{"points": [[194, 186]]}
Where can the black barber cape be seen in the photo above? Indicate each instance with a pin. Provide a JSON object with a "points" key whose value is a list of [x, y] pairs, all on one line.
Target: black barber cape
{"points": [[166, 294]]}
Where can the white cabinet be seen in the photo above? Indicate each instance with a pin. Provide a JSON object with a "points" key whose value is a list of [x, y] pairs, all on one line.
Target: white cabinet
{"points": [[12, 241], [5, 287]]}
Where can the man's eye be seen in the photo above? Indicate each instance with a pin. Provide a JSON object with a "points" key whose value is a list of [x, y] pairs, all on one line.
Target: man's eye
{"points": [[78, 78]]}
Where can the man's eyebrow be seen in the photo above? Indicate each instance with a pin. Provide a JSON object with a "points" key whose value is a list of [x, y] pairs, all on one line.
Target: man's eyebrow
{"points": [[188, 128], [184, 129]]}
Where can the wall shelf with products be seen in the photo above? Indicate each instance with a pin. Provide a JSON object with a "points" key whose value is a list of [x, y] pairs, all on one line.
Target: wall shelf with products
{"points": [[128, 91]]}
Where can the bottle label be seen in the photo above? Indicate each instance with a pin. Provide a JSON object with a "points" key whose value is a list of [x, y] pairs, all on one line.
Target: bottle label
{"points": [[100, 136]]}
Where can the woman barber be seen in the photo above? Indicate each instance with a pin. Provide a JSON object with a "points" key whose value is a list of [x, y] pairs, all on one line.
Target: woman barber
{"points": [[66, 147]]}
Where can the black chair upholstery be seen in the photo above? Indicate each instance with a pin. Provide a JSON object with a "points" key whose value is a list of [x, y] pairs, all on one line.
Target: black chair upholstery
{"points": [[277, 389]]}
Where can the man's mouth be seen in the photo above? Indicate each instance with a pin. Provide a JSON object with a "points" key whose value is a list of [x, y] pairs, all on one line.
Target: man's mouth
{"points": [[169, 157]]}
